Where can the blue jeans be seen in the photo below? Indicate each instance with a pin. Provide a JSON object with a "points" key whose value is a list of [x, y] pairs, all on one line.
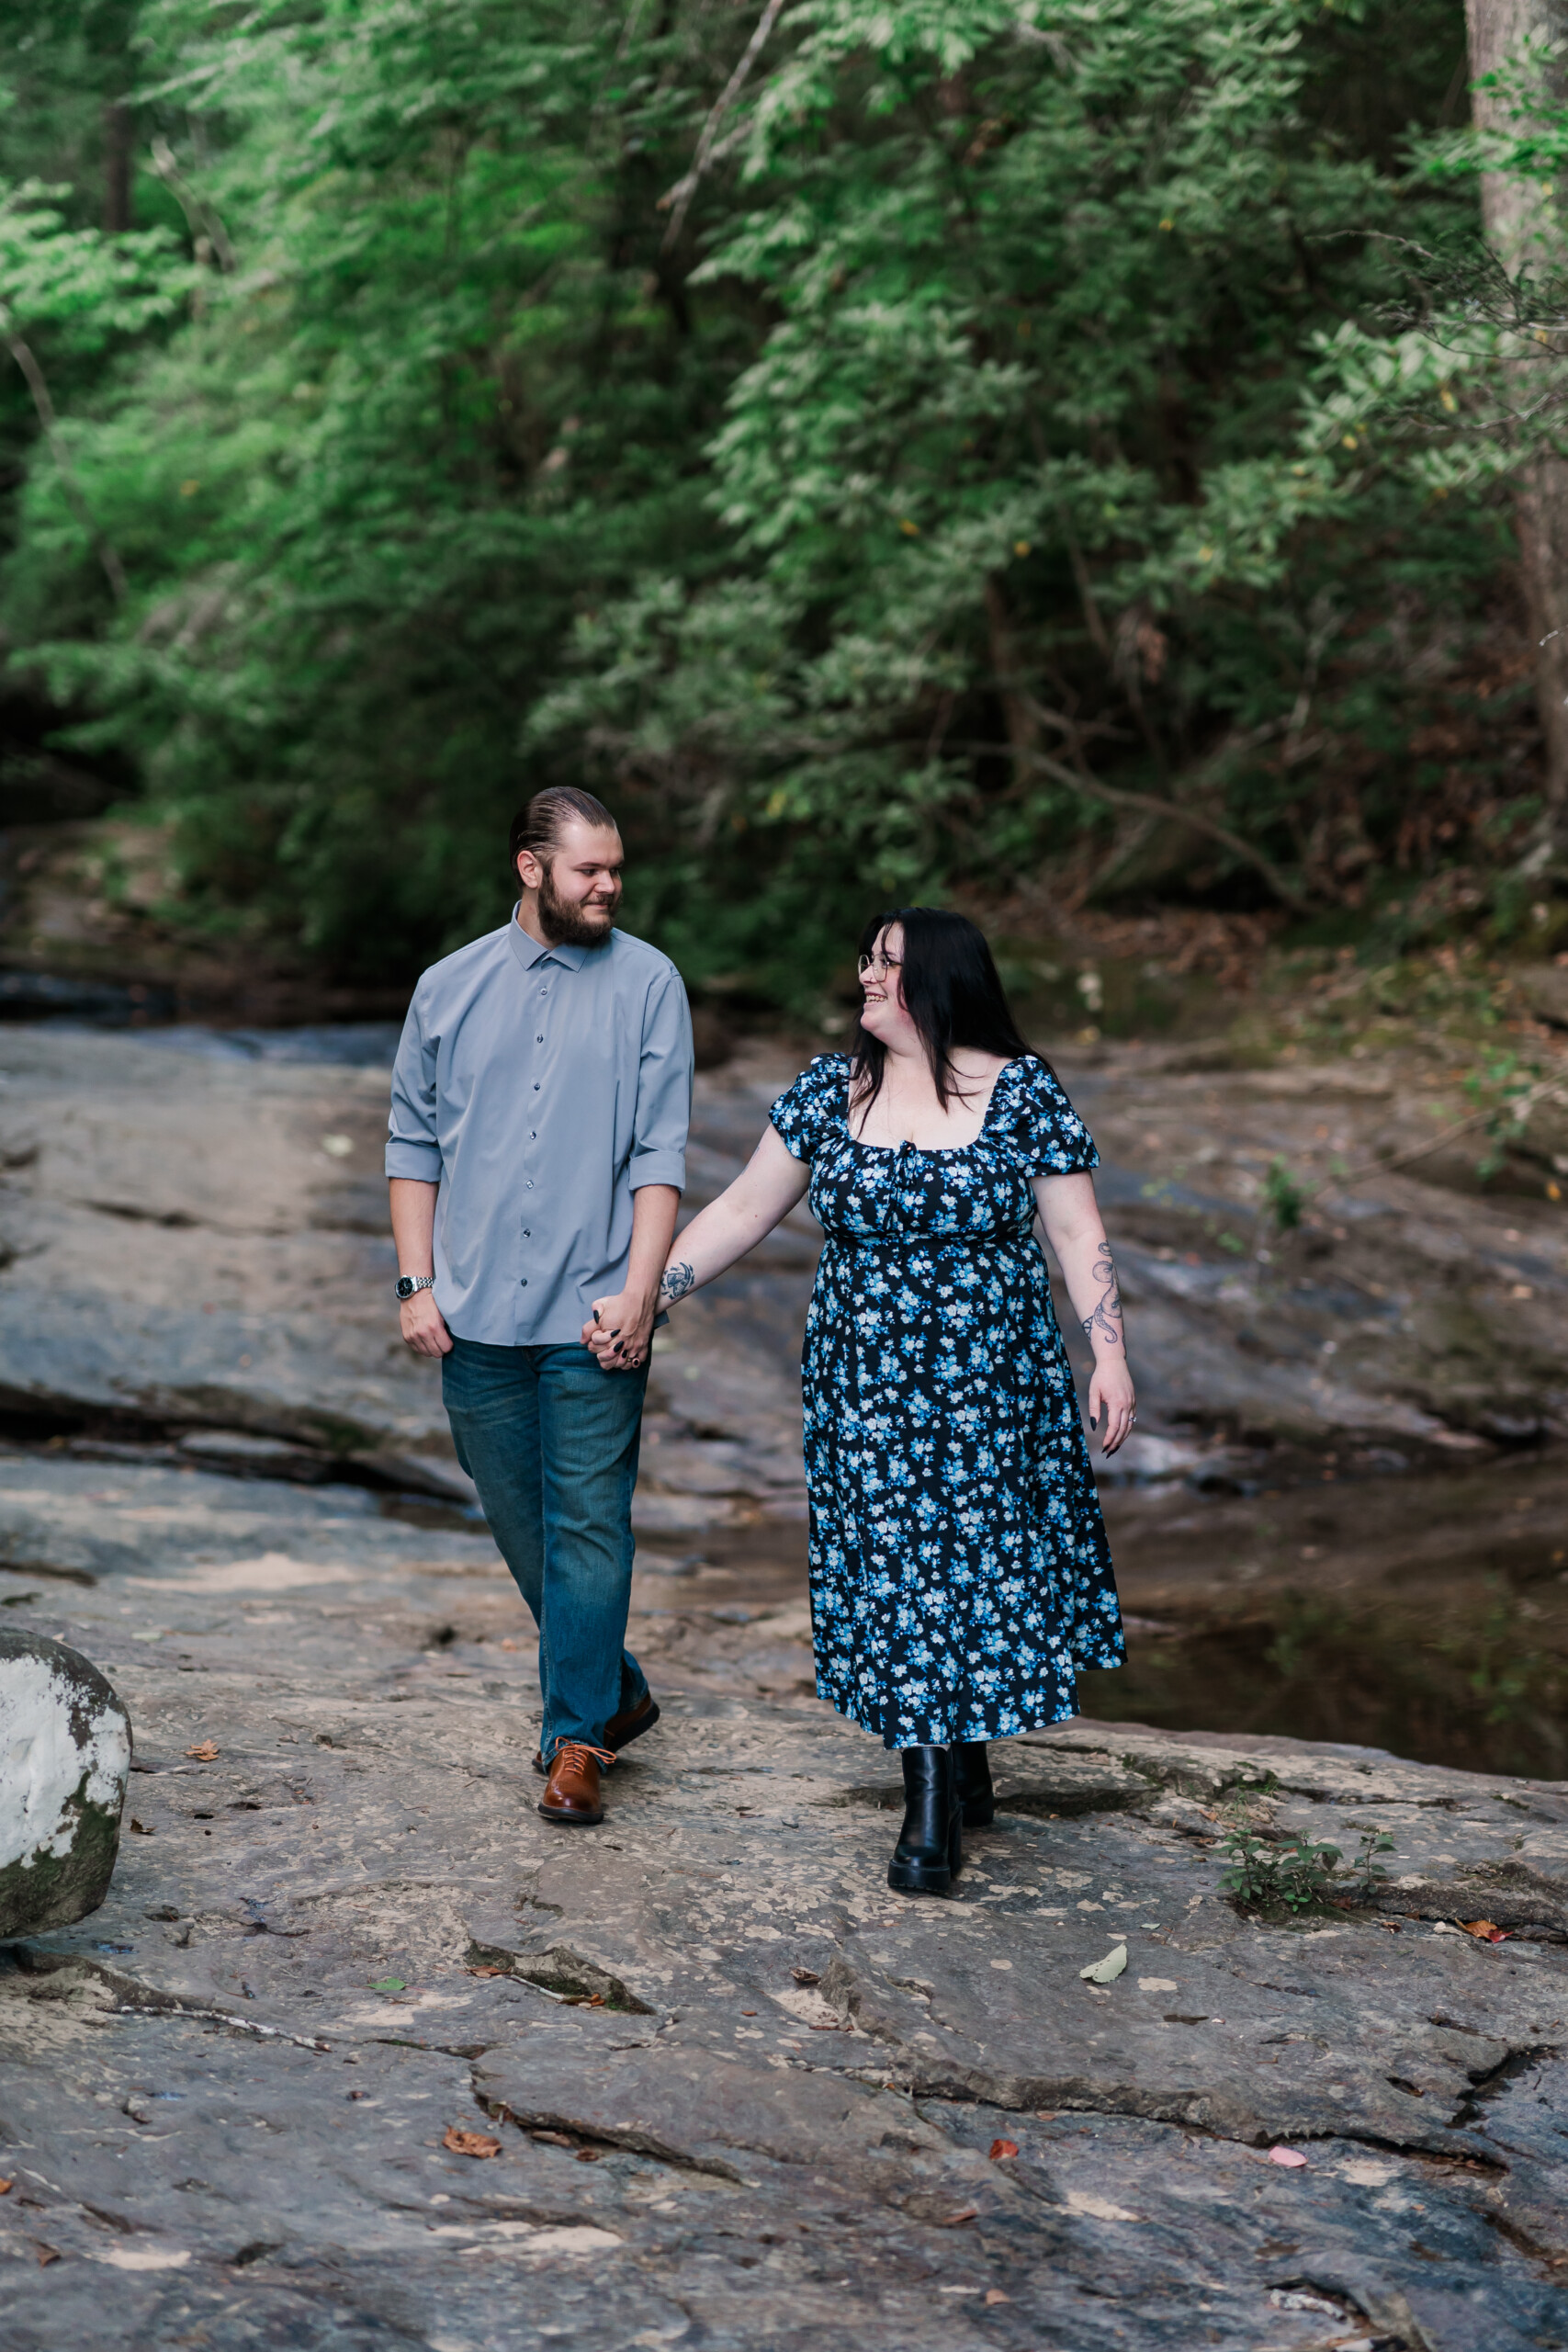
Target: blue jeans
{"points": [[551, 1444]]}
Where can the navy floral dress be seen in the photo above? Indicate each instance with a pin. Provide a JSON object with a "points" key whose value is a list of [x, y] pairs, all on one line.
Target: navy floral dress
{"points": [[960, 1573]]}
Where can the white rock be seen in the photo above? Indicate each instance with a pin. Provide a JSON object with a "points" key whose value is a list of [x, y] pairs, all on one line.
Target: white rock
{"points": [[64, 1760]]}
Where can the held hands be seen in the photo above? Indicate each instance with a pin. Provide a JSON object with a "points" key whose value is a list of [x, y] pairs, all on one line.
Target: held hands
{"points": [[620, 1330], [424, 1326], [1112, 1402]]}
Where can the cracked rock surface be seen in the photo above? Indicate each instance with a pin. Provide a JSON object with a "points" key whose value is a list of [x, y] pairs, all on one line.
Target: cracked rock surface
{"points": [[739, 2093], [360, 2053]]}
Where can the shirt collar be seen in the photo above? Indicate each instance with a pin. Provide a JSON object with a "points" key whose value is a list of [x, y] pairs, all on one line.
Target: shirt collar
{"points": [[530, 951]]}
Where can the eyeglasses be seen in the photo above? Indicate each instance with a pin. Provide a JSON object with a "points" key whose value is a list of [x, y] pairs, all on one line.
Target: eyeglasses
{"points": [[876, 967]]}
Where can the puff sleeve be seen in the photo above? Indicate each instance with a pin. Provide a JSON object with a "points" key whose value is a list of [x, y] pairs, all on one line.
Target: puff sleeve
{"points": [[803, 1117], [1041, 1124]]}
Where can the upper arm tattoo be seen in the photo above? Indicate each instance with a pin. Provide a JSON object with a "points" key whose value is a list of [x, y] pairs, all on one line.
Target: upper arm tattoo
{"points": [[675, 1282], [1105, 1323]]}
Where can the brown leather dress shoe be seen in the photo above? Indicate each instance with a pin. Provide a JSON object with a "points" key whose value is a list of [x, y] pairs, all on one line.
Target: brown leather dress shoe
{"points": [[621, 1729], [572, 1790]]}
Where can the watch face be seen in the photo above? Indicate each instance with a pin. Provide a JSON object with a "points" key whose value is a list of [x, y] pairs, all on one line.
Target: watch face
{"points": [[406, 1285]]}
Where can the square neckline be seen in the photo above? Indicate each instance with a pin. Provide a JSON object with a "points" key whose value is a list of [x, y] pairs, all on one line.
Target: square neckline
{"points": [[931, 1150]]}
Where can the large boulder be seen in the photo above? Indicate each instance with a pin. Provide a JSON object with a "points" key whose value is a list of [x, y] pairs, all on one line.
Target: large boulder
{"points": [[64, 1758]]}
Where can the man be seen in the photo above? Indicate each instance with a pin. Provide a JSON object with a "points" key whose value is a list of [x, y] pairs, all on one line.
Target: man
{"points": [[537, 1158]]}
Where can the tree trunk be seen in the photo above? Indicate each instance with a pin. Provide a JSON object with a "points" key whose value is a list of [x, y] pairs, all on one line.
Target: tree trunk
{"points": [[117, 167], [1521, 228]]}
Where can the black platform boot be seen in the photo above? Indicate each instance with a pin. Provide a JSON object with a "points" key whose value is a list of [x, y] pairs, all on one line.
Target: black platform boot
{"points": [[972, 1777], [929, 1851]]}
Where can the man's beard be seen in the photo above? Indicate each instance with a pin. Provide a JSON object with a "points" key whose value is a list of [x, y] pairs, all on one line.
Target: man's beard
{"points": [[569, 926]]}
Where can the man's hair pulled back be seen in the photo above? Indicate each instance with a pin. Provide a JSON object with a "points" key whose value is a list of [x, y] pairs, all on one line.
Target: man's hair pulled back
{"points": [[539, 826]]}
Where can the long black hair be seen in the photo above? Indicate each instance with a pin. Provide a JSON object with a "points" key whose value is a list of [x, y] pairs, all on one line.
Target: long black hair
{"points": [[952, 993]]}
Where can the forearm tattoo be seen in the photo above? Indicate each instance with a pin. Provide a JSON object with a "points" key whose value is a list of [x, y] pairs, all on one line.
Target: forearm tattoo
{"points": [[1105, 1323], [675, 1282]]}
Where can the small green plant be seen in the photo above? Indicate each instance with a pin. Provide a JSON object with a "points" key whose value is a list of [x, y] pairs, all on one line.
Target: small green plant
{"points": [[1265, 1874], [1366, 1870], [1511, 1085], [1286, 1195], [1299, 1875]]}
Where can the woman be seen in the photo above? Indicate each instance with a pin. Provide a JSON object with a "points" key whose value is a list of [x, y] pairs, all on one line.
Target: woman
{"points": [[960, 1573]]}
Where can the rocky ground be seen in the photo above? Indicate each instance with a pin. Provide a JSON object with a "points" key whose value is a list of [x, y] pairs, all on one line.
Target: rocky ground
{"points": [[698, 2077]]}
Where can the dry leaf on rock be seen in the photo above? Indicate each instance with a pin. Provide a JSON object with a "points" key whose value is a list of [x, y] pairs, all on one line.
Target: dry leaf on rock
{"points": [[951, 2221], [140, 1827], [203, 1752], [46, 2253], [1485, 1931], [471, 2144], [1000, 2148], [994, 2295], [1106, 1971], [1290, 2157], [7, 2186], [805, 1976], [1157, 1985]]}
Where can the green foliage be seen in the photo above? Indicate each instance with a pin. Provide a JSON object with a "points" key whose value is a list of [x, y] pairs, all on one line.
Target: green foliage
{"points": [[1286, 1195], [963, 478], [1262, 1875], [1299, 1875]]}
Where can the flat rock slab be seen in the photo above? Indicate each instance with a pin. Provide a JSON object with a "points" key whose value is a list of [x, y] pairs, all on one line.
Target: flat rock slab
{"points": [[357, 2052], [740, 2093], [64, 1760], [198, 1237]]}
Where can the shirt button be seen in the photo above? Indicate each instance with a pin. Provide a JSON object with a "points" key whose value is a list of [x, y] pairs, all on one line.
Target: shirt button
{"points": [[541, 1039], [524, 1282], [536, 1086], [527, 1183]]}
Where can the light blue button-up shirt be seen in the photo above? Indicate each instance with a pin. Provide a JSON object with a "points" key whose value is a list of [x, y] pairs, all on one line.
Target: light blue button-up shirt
{"points": [[540, 1088]]}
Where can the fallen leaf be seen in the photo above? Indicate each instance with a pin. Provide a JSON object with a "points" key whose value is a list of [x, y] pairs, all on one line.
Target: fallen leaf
{"points": [[994, 2295], [471, 2144], [46, 2254], [388, 1984], [1485, 1931], [511, 1646], [1000, 2148], [140, 1827], [951, 2221], [487, 1971], [1157, 1985], [7, 2186], [805, 1976], [1106, 1971], [203, 1752], [1290, 2157]]}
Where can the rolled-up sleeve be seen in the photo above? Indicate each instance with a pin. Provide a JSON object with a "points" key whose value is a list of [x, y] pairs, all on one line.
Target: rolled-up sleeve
{"points": [[663, 1088], [413, 1145]]}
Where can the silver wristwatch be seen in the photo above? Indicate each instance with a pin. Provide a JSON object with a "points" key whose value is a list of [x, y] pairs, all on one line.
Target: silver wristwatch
{"points": [[410, 1284]]}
